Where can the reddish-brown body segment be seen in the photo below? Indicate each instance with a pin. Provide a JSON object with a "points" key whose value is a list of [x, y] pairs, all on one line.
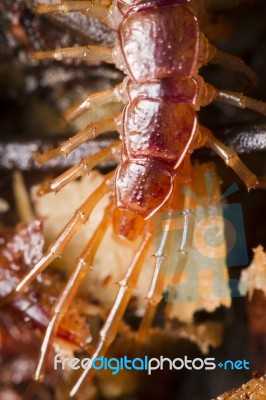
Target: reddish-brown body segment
{"points": [[159, 43], [161, 51]]}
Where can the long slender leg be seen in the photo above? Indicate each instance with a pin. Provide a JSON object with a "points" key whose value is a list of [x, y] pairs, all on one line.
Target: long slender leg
{"points": [[183, 252], [89, 132], [94, 100], [86, 7], [80, 169], [229, 156], [234, 63], [240, 101], [85, 53], [164, 273], [62, 304], [161, 281], [158, 280], [111, 326], [80, 217]]}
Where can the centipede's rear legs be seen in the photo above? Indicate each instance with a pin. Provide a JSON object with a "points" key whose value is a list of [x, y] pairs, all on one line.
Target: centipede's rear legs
{"points": [[61, 306], [111, 325], [165, 276]]}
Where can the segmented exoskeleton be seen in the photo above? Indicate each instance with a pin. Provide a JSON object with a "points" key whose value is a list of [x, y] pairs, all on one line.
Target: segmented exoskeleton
{"points": [[161, 49]]}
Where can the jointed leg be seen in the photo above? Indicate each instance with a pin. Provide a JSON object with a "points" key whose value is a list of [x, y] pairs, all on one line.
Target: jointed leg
{"points": [[89, 132], [86, 7], [80, 217], [85, 53], [111, 326], [158, 280], [230, 158], [234, 63], [240, 101], [164, 273], [183, 254], [94, 100], [185, 245], [62, 304], [80, 169]]}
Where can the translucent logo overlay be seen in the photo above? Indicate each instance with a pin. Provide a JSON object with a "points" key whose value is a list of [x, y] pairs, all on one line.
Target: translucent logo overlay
{"points": [[201, 240]]}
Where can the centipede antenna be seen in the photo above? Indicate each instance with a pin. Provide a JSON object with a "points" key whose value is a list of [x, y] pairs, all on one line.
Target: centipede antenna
{"points": [[84, 53], [89, 132], [234, 63], [79, 218], [80, 169], [94, 100], [240, 101], [111, 326], [62, 304]]}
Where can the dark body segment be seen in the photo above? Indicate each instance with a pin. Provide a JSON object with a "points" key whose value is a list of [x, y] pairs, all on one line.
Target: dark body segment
{"points": [[160, 42], [157, 133], [143, 186], [160, 46], [159, 130]]}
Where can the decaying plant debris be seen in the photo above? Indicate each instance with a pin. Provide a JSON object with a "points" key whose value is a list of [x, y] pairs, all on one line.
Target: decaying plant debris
{"points": [[255, 389], [253, 280]]}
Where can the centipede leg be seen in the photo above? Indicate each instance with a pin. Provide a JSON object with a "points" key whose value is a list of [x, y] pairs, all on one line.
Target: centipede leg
{"points": [[240, 101], [230, 158], [62, 304], [93, 101], [84, 53], [80, 169], [183, 254], [164, 273], [111, 326], [86, 7], [234, 63], [80, 217], [89, 132], [158, 281], [188, 215]]}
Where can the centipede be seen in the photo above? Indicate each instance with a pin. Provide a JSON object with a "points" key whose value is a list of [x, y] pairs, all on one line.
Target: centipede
{"points": [[160, 48]]}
